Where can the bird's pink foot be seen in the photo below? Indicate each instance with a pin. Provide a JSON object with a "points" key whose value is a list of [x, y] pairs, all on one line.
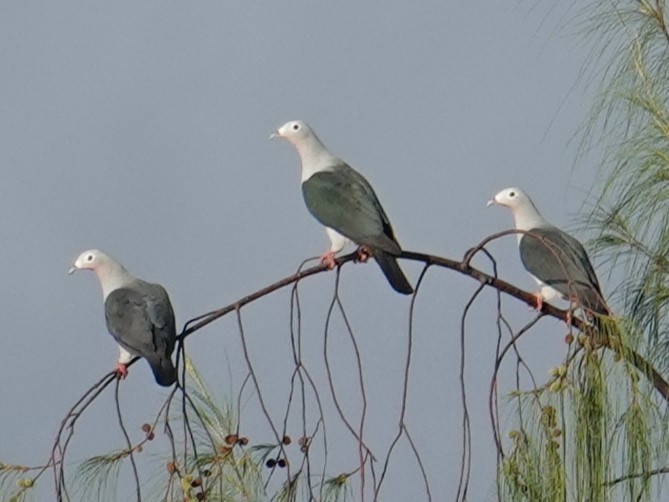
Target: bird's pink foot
{"points": [[328, 259], [121, 370], [362, 254], [538, 300]]}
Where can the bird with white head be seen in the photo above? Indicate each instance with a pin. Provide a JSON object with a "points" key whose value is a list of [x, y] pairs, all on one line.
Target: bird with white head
{"points": [[343, 201], [138, 314], [555, 260]]}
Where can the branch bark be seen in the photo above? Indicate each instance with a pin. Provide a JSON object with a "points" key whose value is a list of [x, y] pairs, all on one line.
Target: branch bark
{"points": [[463, 267], [611, 341]]}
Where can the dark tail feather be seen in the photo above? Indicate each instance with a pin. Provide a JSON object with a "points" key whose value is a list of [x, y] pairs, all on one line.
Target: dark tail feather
{"points": [[393, 272], [605, 329], [599, 313], [593, 302], [163, 370]]}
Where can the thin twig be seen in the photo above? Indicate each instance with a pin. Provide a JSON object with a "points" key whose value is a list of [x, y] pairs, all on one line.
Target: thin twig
{"points": [[127, 440], [464, 267], [405, 385]]}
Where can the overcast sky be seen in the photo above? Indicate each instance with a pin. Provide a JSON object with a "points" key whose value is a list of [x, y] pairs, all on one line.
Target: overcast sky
{"points": [[141, 128]]}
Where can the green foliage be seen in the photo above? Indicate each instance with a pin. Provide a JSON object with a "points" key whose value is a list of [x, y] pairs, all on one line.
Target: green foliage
{"points": [[583, 431], [226, 471], [204, 460], [15, 482], [590, 426], [96, 478], [631, 123], [337, 489], [612, 426]]}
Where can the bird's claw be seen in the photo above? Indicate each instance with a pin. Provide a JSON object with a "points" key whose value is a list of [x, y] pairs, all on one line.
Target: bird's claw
{"points": [[121, 370], [328, 259], [538, 301], [362, 254]]}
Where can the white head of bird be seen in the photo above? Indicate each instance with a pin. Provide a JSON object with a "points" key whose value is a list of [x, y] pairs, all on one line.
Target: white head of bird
{"points": [[112, 274], [295, 131], [512, 197], [91, 259], [313, 154], [524, 211]]}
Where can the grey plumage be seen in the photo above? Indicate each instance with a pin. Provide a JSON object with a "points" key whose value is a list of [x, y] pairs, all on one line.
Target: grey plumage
{"points": [[140, 317], [560, 261], [555, 259], [342, 200]]}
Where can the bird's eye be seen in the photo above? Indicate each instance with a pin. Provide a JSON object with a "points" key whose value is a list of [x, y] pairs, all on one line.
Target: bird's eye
{"points": [[89, 257], [296, 127], [512, 194]]}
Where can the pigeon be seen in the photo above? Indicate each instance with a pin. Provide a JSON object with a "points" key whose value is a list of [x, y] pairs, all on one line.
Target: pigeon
{"points": [[139, 315], [554, 259], [342, 200]]}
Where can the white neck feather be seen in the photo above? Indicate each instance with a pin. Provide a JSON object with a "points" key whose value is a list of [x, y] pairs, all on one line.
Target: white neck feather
{"points": [[527, 217], [314, 156], [113, 276]]}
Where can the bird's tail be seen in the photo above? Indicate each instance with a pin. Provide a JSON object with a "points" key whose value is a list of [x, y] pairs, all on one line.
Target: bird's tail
{"points": [[393, 272], [604, 330], [602, 319], [163, 370]]}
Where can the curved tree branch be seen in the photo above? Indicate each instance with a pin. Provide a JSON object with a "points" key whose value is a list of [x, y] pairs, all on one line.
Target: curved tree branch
{"points": [[463, 267], [609, 341]]}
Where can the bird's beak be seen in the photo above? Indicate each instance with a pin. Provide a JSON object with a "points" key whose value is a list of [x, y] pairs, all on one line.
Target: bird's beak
{"points": [[72, 270], [491, 202], [275, 134]]}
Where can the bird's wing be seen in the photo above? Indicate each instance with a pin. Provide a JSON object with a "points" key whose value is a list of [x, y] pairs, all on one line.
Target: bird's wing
{"points": [[141, 319], [342, 199], [560, 261]]}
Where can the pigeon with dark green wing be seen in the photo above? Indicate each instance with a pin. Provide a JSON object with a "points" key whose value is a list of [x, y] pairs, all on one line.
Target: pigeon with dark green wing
{"points": [[343, 201], [139, 315], [554, 259]]}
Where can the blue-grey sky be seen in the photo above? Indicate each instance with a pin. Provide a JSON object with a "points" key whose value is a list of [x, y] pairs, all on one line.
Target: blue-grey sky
{"points": [[142, 128]]}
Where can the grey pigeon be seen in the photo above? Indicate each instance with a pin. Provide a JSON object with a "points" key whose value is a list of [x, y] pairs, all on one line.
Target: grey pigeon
{"points": [[343, 201], [554, 259], [139, 315]]}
